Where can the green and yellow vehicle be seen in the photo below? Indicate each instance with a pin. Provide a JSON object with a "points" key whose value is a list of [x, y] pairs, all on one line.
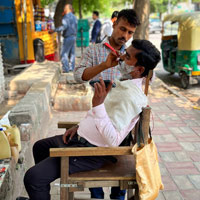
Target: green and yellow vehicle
{"points": [[181, 45]]}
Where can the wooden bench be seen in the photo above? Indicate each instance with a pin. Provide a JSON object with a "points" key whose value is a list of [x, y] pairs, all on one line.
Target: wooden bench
{"points": [[120, 174]]}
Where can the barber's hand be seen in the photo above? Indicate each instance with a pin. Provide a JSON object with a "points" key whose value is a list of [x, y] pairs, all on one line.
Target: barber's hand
{"points": [[111, 60], [100, 92], [69, 134]]}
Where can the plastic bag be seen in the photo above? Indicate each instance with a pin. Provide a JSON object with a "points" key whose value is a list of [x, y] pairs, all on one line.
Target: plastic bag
{"points": [[147, 170]]}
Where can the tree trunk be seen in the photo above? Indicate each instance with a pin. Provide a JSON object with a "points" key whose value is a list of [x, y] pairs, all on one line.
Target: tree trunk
{"points": [[142, 8], [59, 11], [80, 10]]}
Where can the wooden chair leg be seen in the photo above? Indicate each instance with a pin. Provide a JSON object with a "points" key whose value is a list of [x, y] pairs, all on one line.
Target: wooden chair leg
{"points": [[71, 196], [64, 191], [136, 197]]}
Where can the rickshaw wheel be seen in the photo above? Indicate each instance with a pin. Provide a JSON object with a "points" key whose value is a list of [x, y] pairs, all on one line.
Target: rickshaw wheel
{"points": [[184, 80]]}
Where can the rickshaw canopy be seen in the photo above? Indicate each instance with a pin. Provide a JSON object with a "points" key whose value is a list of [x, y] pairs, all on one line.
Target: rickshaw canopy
{"points": [[188, 30]]}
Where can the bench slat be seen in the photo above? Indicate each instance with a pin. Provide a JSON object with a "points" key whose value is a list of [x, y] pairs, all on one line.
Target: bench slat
{"points": [[90, 151], [66, 125], [124, 169]]}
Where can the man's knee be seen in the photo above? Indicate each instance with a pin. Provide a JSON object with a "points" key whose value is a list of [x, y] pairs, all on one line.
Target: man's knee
{"points": [[30, 178], [37, 147]]}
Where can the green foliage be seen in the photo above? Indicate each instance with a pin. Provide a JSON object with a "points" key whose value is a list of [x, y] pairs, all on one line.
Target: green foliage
{"points": [[160, 6], [104, 7], [46, 2]]}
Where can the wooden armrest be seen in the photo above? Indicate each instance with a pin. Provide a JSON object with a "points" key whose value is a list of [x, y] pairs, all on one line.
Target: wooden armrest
{"points": [[90, 151], [66, 125]]}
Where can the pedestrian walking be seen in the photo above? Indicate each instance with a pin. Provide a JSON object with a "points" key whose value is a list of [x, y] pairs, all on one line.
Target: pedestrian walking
{"points": [[69, 31], [96, 27], [107, 27]]}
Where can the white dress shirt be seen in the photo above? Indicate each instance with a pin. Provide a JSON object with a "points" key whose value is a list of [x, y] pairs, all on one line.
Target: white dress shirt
{"points": [[106, 29]]}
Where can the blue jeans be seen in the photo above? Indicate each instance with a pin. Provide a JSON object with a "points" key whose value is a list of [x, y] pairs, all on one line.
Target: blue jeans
{"points": [[116, 193], [68, 53]]}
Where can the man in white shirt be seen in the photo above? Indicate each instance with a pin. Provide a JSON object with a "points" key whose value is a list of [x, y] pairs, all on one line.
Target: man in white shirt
{"points": [[107, 27], [97, 128]]}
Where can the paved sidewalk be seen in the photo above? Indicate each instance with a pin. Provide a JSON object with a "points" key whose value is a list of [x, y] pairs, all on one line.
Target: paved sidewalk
{"points": [[176, 132]]}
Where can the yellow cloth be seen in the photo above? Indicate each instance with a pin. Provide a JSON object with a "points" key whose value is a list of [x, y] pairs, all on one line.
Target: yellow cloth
{"points": [[5, 151], [147, 171], [10, 142], [14, 135], [131, 99]]}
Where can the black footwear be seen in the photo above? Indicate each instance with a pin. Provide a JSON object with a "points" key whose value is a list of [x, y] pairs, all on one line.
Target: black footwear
{"points": [[22, 198]]}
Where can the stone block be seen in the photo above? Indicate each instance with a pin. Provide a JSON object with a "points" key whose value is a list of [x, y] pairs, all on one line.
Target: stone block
{"points": [[182, 156], [73, 97], [190, 194], [168, 183], [25, 131], [10, 94], [167, 156], [179, 180], [175, 195], [181, 168], [168, 146], [195, 179]]}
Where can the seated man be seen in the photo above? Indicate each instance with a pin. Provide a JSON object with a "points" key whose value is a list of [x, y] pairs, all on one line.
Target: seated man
{"points": [[99, 127]]}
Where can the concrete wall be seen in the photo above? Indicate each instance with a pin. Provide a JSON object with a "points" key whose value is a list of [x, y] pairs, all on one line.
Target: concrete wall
{"points": [[31, 115], [2, 81]]}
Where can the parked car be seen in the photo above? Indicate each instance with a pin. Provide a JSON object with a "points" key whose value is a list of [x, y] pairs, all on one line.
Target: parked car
{"points": [[155, 26]]}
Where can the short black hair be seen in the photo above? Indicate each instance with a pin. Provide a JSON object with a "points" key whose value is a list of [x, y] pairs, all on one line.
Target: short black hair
{"points": [[115, 14], [96, 13], [148, 57], [130, 15]]}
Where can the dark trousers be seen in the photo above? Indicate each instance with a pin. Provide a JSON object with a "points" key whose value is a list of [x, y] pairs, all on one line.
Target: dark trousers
{"points": [[47, 169]]}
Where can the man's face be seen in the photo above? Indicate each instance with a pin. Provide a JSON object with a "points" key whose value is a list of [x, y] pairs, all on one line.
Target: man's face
{"points": [[129, 56], [130, 61], [122, 31], [94, 17]]}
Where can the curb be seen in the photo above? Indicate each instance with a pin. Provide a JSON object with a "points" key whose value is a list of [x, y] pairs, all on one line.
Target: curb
{"points": [[174, 92]]}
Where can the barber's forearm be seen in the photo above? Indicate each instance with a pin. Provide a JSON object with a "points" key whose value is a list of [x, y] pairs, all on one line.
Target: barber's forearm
{"points": [[91, 72]]}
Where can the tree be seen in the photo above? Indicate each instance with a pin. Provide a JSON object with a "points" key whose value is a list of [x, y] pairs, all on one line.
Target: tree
{"points": [[59, 10], [161, 6], [142, 8], [46, 2]]}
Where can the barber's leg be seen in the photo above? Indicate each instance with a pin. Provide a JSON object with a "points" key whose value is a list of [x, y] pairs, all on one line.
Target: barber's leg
{"points": [[97, 193], [41, 147], [116, 193]]}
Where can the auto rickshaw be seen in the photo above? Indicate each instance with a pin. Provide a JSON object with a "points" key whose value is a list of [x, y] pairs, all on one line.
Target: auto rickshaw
{"points": [[181, 45]]}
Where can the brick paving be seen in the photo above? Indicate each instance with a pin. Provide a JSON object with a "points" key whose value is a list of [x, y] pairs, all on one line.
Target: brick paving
{"points": [[176, 132]]}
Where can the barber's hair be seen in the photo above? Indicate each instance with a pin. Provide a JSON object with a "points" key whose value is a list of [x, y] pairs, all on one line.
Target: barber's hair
{"points": [[148, 57], [115, 14], [96, 13], [130, 15]]}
